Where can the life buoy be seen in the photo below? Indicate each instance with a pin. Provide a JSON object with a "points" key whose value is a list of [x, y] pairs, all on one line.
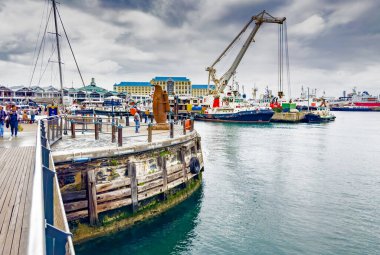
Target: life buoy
{"points": [[195, 166]]}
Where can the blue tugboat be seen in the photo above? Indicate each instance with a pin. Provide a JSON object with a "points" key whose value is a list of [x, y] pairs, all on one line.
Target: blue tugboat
{"points": [[319, 116]]}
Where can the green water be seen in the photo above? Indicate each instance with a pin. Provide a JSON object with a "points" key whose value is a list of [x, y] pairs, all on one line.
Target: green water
{"points": [[272, 189]]}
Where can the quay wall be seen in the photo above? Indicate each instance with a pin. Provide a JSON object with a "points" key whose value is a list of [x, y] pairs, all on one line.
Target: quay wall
{"points": [[105, 189], [288, 117]]}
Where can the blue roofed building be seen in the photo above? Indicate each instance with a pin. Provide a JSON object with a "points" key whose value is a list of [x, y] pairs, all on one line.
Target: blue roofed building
{"points": [[138, 90], [182, 85], [200, 90]]}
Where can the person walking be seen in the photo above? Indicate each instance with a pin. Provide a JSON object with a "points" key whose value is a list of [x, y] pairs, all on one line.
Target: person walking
{"points": [[136, 118], [3, 115], [32, 116], [13, 121]]}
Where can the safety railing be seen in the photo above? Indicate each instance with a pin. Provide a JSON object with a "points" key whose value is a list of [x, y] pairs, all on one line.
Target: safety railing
{"points": [[122, 128], [49, 232]]}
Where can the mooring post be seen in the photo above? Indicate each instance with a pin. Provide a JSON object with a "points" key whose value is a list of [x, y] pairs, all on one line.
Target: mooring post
{"points": [[151, 118], [59, 128], [184, 126], [150, 131], [113, 132], [120, 135], [133, 176], [108, 121], [91, 196], [183, 160], [65, 129], [127, 120], [83, 127], [96, 130], [100, 124], [191, 124], [72, 129], [171, 129]]}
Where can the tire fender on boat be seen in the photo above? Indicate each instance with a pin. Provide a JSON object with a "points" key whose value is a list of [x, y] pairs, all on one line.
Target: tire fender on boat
{"points": [[195, 166]]}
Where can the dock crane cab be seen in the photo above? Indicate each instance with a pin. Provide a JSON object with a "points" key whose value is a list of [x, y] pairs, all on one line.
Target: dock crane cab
{"points": [[221, 83]]}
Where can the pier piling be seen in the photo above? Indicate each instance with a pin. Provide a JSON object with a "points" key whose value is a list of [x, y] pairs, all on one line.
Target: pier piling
{"points": [[113, 135], [91, 196], [133, 176], [150, 129], [96, 130], [120, 136], [171, 129], [72, 129]]}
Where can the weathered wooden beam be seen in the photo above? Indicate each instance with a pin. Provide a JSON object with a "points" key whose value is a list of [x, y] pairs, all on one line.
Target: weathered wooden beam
{"points": [[149, 177], [113, 195], [183, 160], [150, 185], [91, 196], [113, 185], [74, 195], [164, 175], [133, 176]]}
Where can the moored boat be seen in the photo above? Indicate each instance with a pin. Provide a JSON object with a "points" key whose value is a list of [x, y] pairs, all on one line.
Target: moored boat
{"points": [[319, 116]]}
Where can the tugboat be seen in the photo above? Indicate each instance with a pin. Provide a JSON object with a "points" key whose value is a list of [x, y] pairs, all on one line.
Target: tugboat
{"points": [[319, 116]]}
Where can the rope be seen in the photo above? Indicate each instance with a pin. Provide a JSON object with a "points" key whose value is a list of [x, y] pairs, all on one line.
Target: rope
{"points": [[39, 50]]}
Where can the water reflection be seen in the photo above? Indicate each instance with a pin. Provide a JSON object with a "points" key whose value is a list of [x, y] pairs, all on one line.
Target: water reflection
{"points": [[170, 232]]}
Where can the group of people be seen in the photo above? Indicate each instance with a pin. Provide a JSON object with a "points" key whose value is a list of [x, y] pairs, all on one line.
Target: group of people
{"points": [[9, 119]]}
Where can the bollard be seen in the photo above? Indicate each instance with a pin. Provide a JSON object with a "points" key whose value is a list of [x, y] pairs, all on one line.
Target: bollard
{"points": [[120, 136], [52, 124], [65, 130], [72, 129], [96, 130], [113, 129], [100, 124], [108, 121], [171, 129], [191, 124], [150, 129], [184, 126], [127, 120]]}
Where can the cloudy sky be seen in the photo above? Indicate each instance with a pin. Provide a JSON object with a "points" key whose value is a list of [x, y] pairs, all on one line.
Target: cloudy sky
{"points": [[333, 45]]}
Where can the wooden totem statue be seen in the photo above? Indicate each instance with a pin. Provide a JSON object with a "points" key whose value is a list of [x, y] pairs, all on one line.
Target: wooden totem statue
{"points": [[160, 108]]}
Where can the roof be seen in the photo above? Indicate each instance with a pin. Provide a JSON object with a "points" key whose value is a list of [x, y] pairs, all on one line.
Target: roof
{"points": [[133, 84], [202, 86], [165, 78]]}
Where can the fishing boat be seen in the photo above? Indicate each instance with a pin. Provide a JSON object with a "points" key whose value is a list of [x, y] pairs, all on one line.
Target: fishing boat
{"points": [[233, 108], [319, 116]]}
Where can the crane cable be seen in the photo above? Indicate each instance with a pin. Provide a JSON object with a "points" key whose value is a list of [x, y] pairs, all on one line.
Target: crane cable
{"points": [[283, 52], [287, 60]]}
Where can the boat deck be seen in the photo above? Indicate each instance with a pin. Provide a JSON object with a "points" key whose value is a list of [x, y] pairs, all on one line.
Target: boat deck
{"points": [[16, 177]]}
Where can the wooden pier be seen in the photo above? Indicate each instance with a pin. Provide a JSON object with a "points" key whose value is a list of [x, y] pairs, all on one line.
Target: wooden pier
{"points": [[16, 178]]}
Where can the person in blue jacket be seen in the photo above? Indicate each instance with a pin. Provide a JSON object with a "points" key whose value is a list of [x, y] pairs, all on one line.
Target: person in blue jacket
{"points": [[3, 115], [13, 121]]}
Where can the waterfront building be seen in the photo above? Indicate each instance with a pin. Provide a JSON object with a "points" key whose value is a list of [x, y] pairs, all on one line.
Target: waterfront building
{"points": [[182, 85], [200, 90], [137, 90]]}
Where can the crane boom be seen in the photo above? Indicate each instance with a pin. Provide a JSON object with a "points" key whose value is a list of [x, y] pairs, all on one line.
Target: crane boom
{"points": [[221, 83]]}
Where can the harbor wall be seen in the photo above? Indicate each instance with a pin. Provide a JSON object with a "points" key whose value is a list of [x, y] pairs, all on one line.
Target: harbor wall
{"points": [[104, 190], [288, 117]]}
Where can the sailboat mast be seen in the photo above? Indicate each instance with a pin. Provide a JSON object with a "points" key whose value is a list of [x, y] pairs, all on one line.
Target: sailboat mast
{"points": [[58, 49]]}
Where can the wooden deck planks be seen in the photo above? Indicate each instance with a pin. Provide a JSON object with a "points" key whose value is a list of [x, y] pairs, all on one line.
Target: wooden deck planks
{"points": [[16, 174]]}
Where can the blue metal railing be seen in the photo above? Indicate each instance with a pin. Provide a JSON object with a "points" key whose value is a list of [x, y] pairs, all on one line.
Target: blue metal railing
{"points": [[46, 237]]}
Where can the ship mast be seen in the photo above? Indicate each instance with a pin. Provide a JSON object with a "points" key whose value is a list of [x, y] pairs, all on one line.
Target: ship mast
{"points": [[58, 49]]}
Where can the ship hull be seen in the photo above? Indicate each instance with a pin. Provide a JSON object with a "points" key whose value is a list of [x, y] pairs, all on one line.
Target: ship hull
{"points": [[239, 117], [315, 118], [351, 109]]}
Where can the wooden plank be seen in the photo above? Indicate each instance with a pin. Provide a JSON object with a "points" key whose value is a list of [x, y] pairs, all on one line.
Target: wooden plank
{"points": [[20, 249], [101, 208], [175, 176], [150, 193], [13, 238], [11, 202], [113, 185], [164, 174], [101, 198], [150, 185], [26, 217], [74, 195], [149, 177], [174, 169]]}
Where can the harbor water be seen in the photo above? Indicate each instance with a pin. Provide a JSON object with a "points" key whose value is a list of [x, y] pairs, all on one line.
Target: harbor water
{"points": [[272, 189]]}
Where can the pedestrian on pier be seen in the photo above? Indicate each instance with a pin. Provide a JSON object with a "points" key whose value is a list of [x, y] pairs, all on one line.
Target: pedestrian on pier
{"points": [[136, 118], [3, 115], [13, 121]]}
